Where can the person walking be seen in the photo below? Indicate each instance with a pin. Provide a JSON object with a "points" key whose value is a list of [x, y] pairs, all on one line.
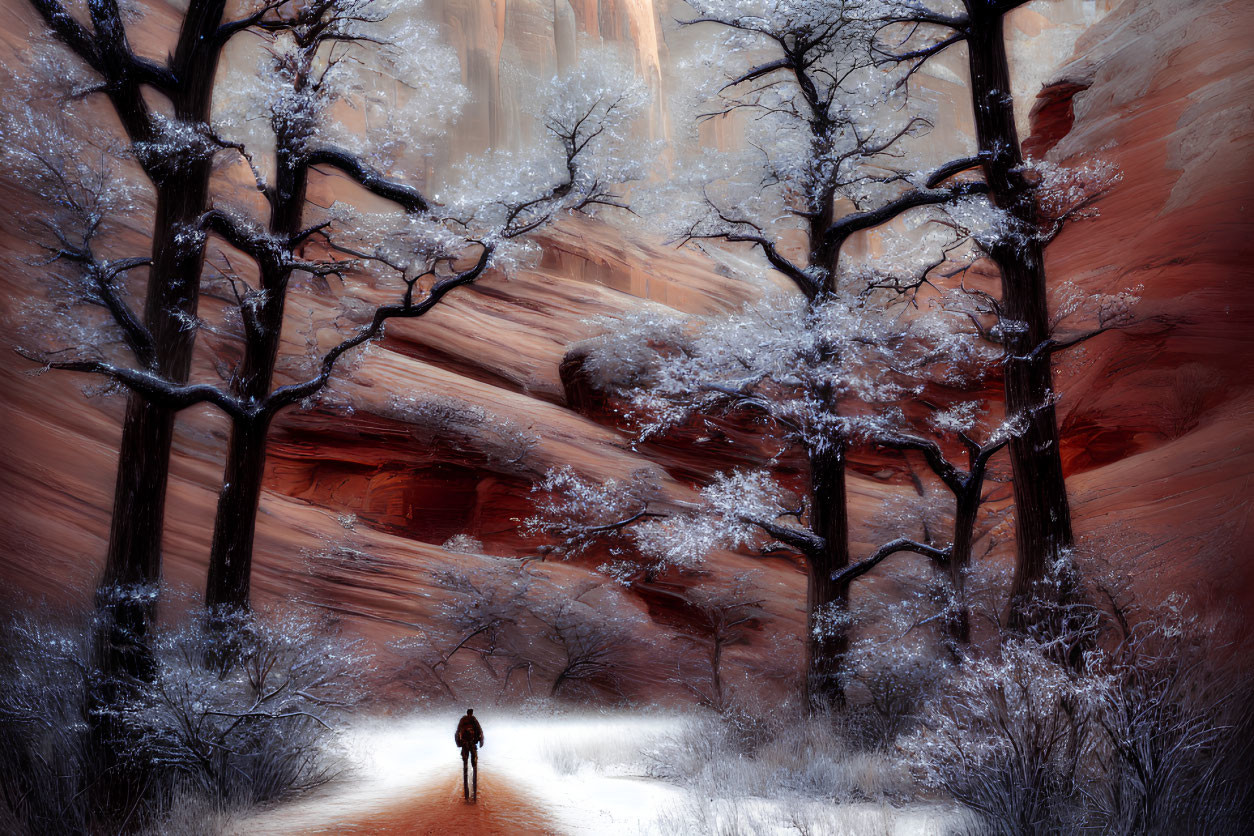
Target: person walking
{"points": [[469, 737]]}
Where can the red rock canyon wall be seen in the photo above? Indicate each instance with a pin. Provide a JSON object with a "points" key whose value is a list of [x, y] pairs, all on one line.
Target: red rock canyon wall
{"points": [[1157, 421]]}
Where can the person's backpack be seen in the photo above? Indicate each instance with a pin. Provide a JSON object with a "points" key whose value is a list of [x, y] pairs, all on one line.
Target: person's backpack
{"points": [[465, 734]]}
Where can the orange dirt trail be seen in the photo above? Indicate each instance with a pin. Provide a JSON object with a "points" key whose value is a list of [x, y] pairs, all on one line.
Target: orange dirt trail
{"points": [[438, 808]]}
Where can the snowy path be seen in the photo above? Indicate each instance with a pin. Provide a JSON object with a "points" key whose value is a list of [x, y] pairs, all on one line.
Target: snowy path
{"points": [[570, 775], [399, 760]]}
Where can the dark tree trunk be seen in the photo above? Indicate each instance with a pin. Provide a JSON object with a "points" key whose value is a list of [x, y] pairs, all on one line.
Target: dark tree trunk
{"points": [[230, 565], [827, 600], [126, 595], [133, 560], [231, 555], [825, 652], [1042, 513], [967, 508], [825, 250]]}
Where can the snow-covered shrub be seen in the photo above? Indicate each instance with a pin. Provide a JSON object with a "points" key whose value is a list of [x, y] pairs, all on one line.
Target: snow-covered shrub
{"points": [[44, 756], [190, 813], [683, 754], [604, 743], [1178, 731], [590, 644], [562, 758], [698, 815], [1013, 738], [721, 618], [252, 724], [204, 737], [503, 630], [891, 688], [1150, 735], [779, 755]]}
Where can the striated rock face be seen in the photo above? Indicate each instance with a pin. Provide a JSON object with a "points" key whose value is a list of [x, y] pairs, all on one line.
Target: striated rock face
{"points": [[506, 44], [1157, 420]]}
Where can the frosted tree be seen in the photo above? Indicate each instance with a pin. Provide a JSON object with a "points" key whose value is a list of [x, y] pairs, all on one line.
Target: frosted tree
{"points": [[822, 377], [308, 70], [590, 644], [499, 202], [510, 622], [721, 618], [829, 131], [119, 304], [482, 612], [316, 55], [826, 133], [944, 427], [822, 133], [1032, 206], [175, 150], [824, 129], [829, 127]]}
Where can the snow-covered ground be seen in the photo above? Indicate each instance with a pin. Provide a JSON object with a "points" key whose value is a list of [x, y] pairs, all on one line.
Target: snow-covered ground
{"points": [[587, 772], [579, 768]]}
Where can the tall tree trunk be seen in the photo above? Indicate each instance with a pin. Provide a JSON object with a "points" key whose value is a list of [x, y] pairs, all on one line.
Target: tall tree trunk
{"points": [[133, 559], [967, 508], [126, 595], [826, 601], [231, 556], [1042, 513], [230, 565]]}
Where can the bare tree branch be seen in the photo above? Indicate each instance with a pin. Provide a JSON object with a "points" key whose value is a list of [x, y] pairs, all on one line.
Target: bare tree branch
{"points": [[840, 231], [806, 542], [407, 309], [901, 544], [153, 387], [407, 197]]}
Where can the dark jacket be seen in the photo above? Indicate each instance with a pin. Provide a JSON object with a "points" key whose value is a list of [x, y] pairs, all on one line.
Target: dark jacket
{"points": [[469, 732]]}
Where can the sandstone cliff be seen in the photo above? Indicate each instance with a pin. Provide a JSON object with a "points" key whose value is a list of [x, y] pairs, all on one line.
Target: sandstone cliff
{"points": [[1157, 421]]}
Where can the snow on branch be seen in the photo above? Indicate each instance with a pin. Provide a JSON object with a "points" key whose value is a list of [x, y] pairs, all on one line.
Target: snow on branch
{"points": [[588, 113], [735, 509], [85, 306], [807, 370], [575, 514], [587, 150], [643, 532]]}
